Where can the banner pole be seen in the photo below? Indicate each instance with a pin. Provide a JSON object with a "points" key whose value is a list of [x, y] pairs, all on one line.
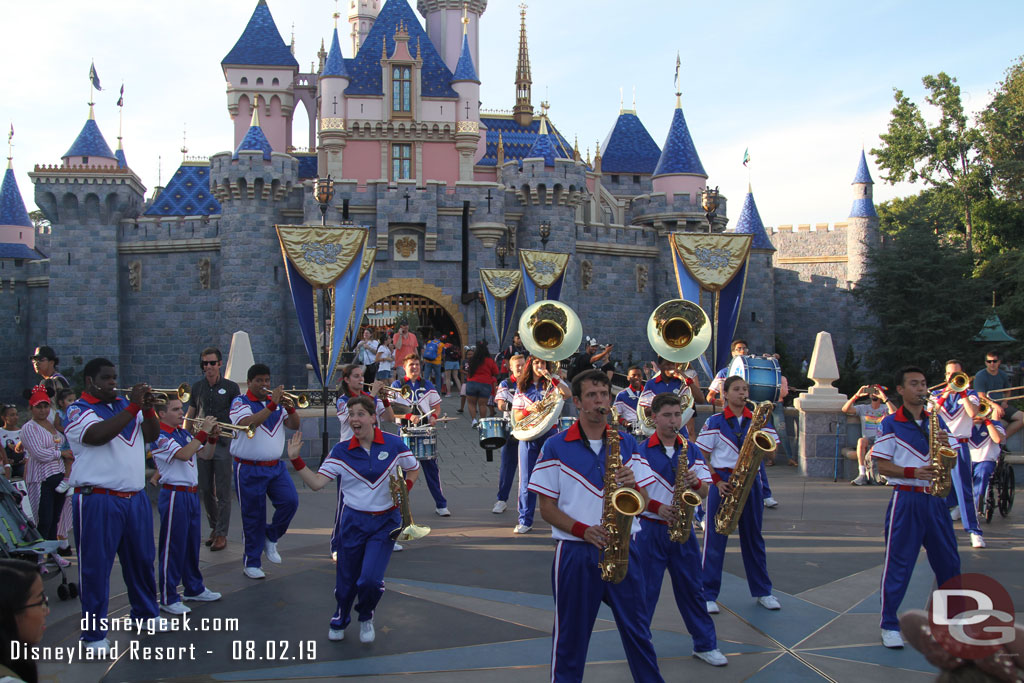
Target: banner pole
{"points": [[324, 361]]}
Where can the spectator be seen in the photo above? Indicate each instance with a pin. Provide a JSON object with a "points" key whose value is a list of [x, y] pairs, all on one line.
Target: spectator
{"points": [[481, 375], [366, 355], [433, 351], [452, 363], [65, 397], [870, 417], [516, 348], [44, 468], [465, 374], [993, 380], [10, 435], [591, 358], [385, 359], [406, 343], [44, 362], [23, 610]]}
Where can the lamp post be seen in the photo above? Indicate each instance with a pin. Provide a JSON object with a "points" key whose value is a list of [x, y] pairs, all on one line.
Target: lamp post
{"points": [[709, 200], [545, 232], [323, 192]]}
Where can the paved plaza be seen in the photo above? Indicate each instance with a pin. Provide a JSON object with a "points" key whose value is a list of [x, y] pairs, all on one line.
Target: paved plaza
{"points": [[472, 602]]}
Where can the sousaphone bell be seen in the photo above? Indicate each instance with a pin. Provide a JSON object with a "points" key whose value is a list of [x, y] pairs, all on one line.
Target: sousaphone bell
{"points": [[679, 330]]}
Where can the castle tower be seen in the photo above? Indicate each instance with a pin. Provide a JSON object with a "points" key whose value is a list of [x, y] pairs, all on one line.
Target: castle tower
{"points": [[361, 15], [468, 140], [862, 231], [17, 235], [333, 81], [630, 154], [679, 171], [445, 27], [756, 322], [261, 62], [90, 148], [523, 111]]}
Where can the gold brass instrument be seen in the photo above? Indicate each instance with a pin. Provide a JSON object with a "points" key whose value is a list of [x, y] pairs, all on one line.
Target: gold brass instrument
{"points": [[685, 500], [645, 421], [392, 393], [296, 396], [756, 446], [231, 431], [161, 396], [960, 381], [621, 505], [679, 330], [409, 531], [940, 455]]}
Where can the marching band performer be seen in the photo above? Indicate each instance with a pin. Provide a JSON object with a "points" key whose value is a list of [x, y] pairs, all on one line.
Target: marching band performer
{"points": [[720, 441], [504, 398], [259, 472], [352, 384], [535, 381], [175, 455], [986, 438], [427, 404], [626, 401], [569, 479], [671, 379], [107, 434], [364, 465], [957, 410], [662, 452], [914, 516]]}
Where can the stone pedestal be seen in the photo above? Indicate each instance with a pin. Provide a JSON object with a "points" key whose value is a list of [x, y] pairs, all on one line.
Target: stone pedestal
{"points": [[821, 413]]}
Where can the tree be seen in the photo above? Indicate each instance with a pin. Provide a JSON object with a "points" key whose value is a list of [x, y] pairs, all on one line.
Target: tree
{"points": [[1002, 123], [947, 156]]}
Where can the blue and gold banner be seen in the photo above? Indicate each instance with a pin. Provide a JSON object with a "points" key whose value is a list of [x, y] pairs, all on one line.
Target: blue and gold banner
{"points": [[365, 277], [718, 264], [501, 294], [543, 270], [322, 258]]}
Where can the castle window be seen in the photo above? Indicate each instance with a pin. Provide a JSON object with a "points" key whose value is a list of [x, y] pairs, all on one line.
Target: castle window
{"points": [[245, 80], [275, 82], [85, 160], [401, 89], [615, 178], [636, 180], [401, 161], [259, 81]]}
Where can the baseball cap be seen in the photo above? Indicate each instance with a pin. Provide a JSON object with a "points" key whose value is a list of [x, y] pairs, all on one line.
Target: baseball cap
{"points": [[44, 353], [38, 396]]}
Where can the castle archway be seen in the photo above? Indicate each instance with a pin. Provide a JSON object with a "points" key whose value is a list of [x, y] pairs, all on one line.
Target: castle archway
{"points": [[432, 309]]}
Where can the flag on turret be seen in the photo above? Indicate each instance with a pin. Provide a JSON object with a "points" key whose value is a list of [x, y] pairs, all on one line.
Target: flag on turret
{"points": [[93, 77], [120, 100], [746, 156]]}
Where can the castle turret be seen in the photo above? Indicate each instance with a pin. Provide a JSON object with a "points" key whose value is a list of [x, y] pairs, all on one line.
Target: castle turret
{"points": [[90, 149], [361, 15], [333, 81], [445, 27], [263, 63], [17, 236], [629, 156], [756, 321], [523, 110], [468, 141], [862, 230], [679, 171]]}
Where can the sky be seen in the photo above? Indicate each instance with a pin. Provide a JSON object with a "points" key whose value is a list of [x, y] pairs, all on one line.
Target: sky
{"points": [[802, 85]]}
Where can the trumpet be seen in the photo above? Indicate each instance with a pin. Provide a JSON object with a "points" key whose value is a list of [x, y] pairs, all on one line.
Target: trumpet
{"points": [[230, 431], [161, 396], [296, 396], [392, 392]]}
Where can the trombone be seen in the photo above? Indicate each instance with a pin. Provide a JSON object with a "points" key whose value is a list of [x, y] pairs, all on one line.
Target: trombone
{"points": [[960, 381], [393, 393], [230, 431]]}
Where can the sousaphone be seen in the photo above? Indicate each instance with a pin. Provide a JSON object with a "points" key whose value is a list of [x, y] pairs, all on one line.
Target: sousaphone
{"points": [[551, 331]]}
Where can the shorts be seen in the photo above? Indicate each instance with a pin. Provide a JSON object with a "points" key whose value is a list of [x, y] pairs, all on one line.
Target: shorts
{"points": [[1010, 412], [870, 439], [478, 389], [451, 365], [383, 374]]}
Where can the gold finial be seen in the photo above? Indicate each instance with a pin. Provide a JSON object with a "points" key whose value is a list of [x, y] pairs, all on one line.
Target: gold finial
{"points": [[336, 15], [384, 39], [465, 18], [10, 146], [501, 143], [597, 150], [184, 141], [576, 148], [255, 111], [293, 37], [418, 54], [588, 157], [544, 106], [522, 9]]}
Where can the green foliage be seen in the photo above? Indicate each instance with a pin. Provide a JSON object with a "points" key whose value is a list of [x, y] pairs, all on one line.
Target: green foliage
{"points": [[850, 377], [1002, 123]]}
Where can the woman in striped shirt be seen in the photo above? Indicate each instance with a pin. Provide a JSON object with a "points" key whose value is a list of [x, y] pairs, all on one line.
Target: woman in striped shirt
{"points": [[44, 468]]}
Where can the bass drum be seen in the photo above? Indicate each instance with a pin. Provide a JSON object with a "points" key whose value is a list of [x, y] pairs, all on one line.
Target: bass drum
{"points": [[762, 375]]}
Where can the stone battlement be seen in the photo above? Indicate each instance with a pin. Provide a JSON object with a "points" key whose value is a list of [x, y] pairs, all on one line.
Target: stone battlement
{"points": [[810, 227]]}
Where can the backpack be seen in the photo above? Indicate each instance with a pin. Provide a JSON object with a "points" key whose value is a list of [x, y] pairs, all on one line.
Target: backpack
{"points": [[430, 351], [451, 353]]}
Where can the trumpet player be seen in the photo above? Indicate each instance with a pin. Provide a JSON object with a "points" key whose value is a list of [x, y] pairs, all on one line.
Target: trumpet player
{"points": [[569, 483], [363, 465], [663, 451], [175, 453], [259, 472], [626, 401], [958, 407], [720, 441], [914, 516]]}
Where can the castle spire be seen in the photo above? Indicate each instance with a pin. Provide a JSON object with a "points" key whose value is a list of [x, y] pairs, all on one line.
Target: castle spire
{"points": [[523, 111], [255, 123]]}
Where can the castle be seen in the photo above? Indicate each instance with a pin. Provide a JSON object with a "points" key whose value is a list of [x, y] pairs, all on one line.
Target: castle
{"points": [[440, 183]]}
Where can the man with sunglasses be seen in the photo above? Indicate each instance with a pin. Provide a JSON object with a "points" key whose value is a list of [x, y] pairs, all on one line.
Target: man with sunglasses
{"points": [[212, 395], [991, 379]]}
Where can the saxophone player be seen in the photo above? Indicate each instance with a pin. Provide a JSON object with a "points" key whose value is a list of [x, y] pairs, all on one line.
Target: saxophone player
{"points": [[914, 516], [569, 483], [663, 452], [720, 441]]}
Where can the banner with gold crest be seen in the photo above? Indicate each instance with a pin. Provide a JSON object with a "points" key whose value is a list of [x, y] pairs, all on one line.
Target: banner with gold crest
{"points": [[501, 294], [544, 270], [362, 289], [716, 263], [328, 259]]}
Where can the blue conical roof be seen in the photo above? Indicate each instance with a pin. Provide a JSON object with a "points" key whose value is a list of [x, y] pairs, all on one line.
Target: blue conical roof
{"points": [[542, 147], [863, 174], [90, 143], [464, 70], [187, 193], [749, 223], [629, 148], [12, 206], [122, 162], [261, 43], [335, 64], [679, 154], [254, 141]]}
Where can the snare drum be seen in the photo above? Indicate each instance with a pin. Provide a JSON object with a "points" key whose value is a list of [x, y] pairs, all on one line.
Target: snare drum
{"points": [[762, 375], [422, 441], [565, 422], [493, 432]]}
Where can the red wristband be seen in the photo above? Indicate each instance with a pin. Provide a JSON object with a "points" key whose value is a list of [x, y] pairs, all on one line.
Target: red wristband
{"points": [[298, 464], [133, 408], [202, 437], [689, 381], [408, 484], [408, 416], [988, 423], [578, 529], [715, 478], [653, 506], [385, 402], [698, 486], [271, 406], [908, 472], [149, 412], [291, 410], [212, 441]]}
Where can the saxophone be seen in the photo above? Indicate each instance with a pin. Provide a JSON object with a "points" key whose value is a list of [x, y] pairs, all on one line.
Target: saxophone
{"points": [[621, 505], [756, 446], [685, 500], [940, 455]]}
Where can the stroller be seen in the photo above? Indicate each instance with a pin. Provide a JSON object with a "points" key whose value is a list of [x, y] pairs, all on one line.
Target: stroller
{"points": [[20, 539]]}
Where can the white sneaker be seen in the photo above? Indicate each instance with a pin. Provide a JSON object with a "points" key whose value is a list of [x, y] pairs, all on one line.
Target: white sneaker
{"points": [[770, 502], [206, 596], [702, 524], [271, 551], [254, 573], [474, 423], [955, 513], [521, 529], [712, 657], [100, 647], [712, 607], [176, 608], [499, 507], [398, 548], [334, 556], [443, 512], [63, 486], [336, 634], [892, 639], [977, 541], [58, 560], [366, 632], [769, 602], [861, 480]]}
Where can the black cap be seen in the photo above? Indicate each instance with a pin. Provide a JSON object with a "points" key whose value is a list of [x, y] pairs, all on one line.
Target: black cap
{"points": [[44, 353]]}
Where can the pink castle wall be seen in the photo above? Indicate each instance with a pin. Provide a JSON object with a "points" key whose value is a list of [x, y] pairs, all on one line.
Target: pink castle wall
{"points": [[681, 184], [361, 161], [18, 234], [440, 162]]}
